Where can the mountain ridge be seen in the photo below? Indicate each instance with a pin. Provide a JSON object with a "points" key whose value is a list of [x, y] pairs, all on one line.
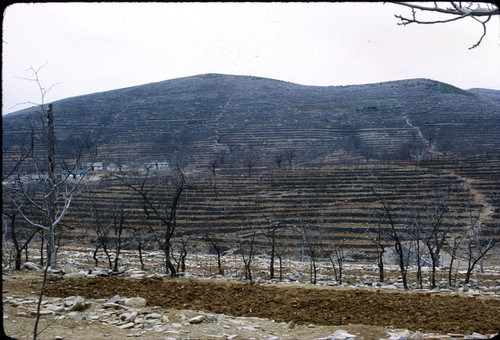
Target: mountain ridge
{"points": [[401, 81], [199, 118]]}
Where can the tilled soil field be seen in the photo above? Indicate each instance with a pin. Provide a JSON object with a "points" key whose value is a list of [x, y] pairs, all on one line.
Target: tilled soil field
{"points": [[428, 312]]}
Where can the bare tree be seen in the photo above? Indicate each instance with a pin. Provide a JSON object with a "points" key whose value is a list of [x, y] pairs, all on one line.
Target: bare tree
{"points": [[44, 191], [415, 230], [20, 239], [215, 246], [50, 195], [435, 231], [312, 241], [481, 12], [183, 251], [335, 253], [271, 234], [452, 251], [136, 232], [104, 221], [212, 166], [397, 235], [278, 159], [290, 156], [250, 162], [161, 201], [380, 240], [476, 247], [118, 221], [246, 244], [100, 225]]}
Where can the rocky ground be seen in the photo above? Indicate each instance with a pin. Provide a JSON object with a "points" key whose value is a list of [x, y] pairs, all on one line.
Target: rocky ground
{"points": [[150, 305]]}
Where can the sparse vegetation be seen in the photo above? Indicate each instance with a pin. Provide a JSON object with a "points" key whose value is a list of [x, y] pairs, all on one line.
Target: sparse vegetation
{"points": [[325, 177]]}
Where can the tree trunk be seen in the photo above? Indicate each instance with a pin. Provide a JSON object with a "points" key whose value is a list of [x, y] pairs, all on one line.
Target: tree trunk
{"points": [[139, 248], [281, 267], [95, 256], [450, 270], [183, 259], [110, 263], [340, 271], [271, 265], [118, 235], [381, 264], [313, 268], [51, 248], [433, 273], [14, 240], [402, 268], [219, 265], [169, 266], [18, 260], [42, 241]]}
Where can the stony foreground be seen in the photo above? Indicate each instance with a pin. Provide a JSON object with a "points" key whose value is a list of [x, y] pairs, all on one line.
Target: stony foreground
{"points": [[158, 308]]}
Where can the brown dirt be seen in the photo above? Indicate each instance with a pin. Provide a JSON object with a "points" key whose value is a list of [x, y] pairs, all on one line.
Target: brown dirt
{"points": [[430, 312], [367, 312]]}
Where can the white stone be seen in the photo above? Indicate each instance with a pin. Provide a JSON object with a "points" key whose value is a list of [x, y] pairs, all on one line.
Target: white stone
{"points": [[126, 325], [68, 268], [135, 302], [399, 334], [197, 319], [132, 316], [416, 336], [42, 312], [54, 308], [74, 275], [340, 334], [31, 266], [79, 304]]}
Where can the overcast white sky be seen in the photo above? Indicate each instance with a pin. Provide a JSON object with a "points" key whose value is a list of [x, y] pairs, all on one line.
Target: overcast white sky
{"points": [[93, 47]]}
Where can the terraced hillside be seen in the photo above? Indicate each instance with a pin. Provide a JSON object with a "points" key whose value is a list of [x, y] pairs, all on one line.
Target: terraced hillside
{"points": [[241, 119], [317, 163], [332, 204]]}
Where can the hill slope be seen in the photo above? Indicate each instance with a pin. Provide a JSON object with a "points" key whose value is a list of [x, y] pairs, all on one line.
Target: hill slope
{"points": [[242, 118]]}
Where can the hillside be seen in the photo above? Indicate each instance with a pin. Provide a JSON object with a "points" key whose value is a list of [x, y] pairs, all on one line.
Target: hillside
{"points": [[242, 118]]}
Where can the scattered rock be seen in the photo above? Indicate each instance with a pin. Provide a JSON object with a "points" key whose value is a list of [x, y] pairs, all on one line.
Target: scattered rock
{"points": [[398, 334], [79, 304], [68, 268], [343, 335], [416, 336], [77, 316], [197, 319], [54, 308], [127, 325], [475, 336], [31, 266], [135, 302], [74, 275], [42, 312], [131, 317]]}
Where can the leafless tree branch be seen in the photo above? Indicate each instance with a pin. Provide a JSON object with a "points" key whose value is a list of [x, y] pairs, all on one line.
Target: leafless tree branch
{"points": [[479, 11]]}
